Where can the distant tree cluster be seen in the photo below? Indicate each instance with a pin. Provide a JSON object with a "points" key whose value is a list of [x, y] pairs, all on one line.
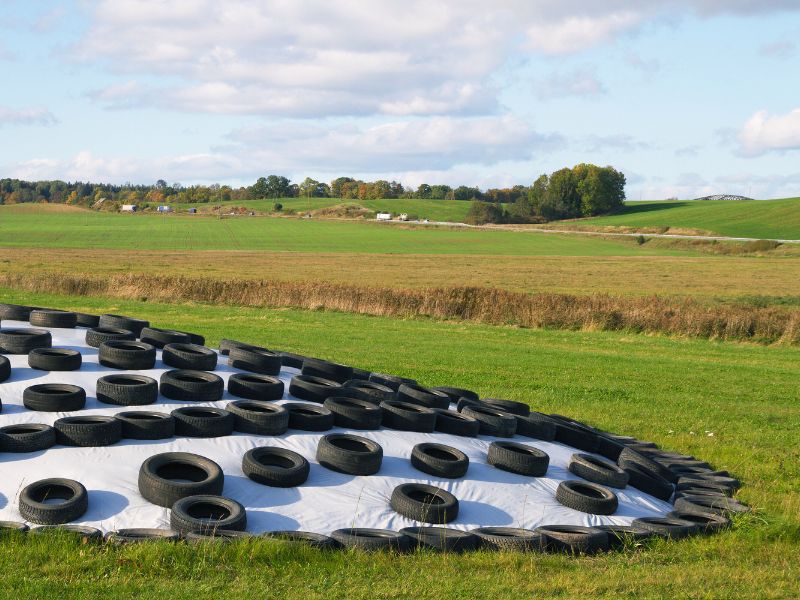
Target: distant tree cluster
{"points": [[583, 190]]}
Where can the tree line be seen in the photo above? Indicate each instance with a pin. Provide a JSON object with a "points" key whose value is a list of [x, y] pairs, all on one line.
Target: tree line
{"points": [[583, 190]]}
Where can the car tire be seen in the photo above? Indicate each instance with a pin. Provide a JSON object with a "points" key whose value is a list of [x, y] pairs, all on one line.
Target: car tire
{"points": [[54, 359], [275, 467], [33, 508], [146, 425], [349, 454], [166, 478], [127, 390], [439, 460], [189, 357], [518, 458], [259, 418]]}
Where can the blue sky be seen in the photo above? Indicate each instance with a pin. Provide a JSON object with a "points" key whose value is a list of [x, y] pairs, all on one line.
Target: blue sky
{"points": [[687, 97]]}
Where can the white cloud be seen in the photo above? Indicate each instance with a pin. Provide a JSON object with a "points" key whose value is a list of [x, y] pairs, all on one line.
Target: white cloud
{"points": [[26, 116], [322, 58], [582, 81], [437, 144], [764, 133]]}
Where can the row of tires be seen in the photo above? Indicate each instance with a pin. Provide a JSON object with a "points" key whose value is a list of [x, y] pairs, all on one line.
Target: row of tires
{"points": [[549, 538]]}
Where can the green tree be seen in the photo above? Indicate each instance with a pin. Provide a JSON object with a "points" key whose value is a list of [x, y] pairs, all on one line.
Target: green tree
{"points": [[259, 189], [480, 213]]}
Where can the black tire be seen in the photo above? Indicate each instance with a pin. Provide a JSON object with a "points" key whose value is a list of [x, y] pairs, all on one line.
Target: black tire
{"points": [[518, 458], [598, 470], [306, 538], [620, 536], [84, 533], [666, 527], [630, 457], [260, 418], [371, 540], [573, 539], [609, 448], [463, 402], [203, 422], [366, 390], [87, 320], [190, 385], [442, 539], [518, 409], [123, 354], [97, 335], [54, 359], [146, 425], [225, 346], [189, 356], [195, 338], [705, 522], [122, 537], [454, 423], [492, 421], [22, 341], [704, 487], [352, 413], [727, 484], [161, 337], [718, 505], [324, 369], [123, 322], [289, 359], [350, 454], [404, 416], [439, 460], [54, 397], [360, 374], [508, 539], [647, 482], [27, 437], [88, 431], [48, 317], [127, 390], [456, 394], [536, 426], [255, 387], [255, 360], [313, 389], [275, 467], [424, 503], [416, 394], [207, 513], [571, 434], [166, 478], [15, 312], [587, 497], [12, 527], [308, 417], [5, 368], [391, 381], [33, 508]]}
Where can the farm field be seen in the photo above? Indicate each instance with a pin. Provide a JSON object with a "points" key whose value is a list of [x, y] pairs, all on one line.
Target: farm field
{"points": [[772, 219], [673, 391], [31, 226], [433, 210]]}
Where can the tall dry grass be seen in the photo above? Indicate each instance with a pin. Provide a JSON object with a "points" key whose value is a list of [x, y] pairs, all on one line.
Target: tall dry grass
{"points": [[482, 305]]}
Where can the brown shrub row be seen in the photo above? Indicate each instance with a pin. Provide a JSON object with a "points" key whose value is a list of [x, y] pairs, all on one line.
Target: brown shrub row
{"points": [[482, 305]]}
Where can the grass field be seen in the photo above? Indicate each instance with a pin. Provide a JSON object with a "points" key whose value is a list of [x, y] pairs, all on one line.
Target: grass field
{"points": [[33, 226], [433, 210], [673, 391], [774, 219]]}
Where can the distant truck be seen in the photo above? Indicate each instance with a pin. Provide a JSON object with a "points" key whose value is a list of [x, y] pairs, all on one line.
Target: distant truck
{"points": [[128, 208], [384, 216], [164, 209]]}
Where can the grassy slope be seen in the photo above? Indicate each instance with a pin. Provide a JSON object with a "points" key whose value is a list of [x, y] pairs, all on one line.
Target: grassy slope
{"points": [[669, 390], [86, 229], [779, 219], [434, 210]]}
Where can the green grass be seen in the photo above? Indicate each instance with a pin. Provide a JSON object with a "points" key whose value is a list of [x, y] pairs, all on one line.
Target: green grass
{"points": [[774, 219], [35, 226], [672, 391], [434, 210]]}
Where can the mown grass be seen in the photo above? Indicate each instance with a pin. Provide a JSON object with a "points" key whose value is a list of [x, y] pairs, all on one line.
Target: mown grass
{"points": [[673, 391], [775, 219], [41, 228]]}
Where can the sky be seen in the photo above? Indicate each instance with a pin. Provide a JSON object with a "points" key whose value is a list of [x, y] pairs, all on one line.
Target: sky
{"points": [[686, 97]]}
